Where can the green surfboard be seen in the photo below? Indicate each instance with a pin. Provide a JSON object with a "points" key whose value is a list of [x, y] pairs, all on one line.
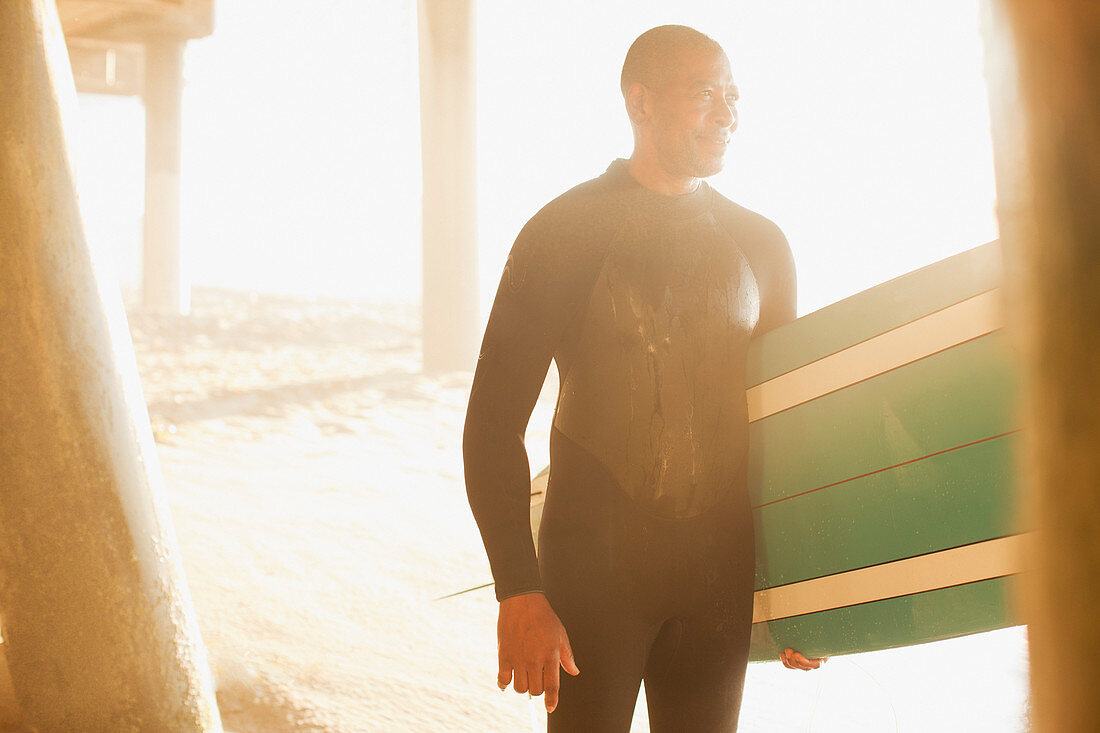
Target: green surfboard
{"points": [[882, 442]]}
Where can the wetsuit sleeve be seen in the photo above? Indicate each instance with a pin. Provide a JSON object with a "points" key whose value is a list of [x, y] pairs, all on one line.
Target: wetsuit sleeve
{"points": [[774, 266], [524, 326]]}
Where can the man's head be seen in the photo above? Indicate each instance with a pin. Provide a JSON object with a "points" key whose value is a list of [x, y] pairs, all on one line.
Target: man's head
{"points": [[680, 96]]}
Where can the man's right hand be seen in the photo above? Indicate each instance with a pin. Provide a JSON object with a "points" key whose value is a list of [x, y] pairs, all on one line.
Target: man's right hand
{"points": [[531, 645]]}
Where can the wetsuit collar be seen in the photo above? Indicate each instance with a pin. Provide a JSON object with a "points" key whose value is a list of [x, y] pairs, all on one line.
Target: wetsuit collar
{"points": [[686, 206]]}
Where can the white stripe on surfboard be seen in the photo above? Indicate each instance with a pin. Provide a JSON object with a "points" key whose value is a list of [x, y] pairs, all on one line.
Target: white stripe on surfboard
{"points": [[956, 324], [968, 564]]}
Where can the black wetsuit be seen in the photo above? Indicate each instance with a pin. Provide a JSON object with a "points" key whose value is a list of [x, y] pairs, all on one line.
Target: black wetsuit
{"points": [[647, 303]]}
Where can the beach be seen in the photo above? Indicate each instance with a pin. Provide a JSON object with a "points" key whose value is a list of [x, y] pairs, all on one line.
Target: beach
{"points": [[315, 479]]}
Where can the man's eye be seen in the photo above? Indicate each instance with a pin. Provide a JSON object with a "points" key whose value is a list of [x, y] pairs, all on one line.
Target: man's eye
{"points": [[706, 93]]}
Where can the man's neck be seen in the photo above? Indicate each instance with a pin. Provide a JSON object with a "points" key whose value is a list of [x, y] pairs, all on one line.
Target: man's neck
{"points": [[649, 173]]}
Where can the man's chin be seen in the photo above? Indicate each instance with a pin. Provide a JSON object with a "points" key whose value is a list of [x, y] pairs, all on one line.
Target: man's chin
{"points": [[709, 167], [694, 163]]}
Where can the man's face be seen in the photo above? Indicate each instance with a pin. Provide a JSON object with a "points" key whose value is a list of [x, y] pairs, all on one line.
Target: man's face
{"points": [[694, 113]]}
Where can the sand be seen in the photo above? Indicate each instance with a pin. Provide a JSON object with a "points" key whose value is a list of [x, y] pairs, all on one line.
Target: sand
{"points": [[315, 479]]}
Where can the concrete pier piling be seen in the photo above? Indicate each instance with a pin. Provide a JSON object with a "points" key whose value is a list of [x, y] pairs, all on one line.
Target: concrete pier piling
{"points": [[448, 133], [1044, 60], [164, 287], [98, 627]]}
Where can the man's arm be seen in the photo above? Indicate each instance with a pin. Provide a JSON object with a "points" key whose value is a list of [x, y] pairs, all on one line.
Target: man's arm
{"points": [[532, 301], [773, 266], [511, 369], [769, 256], [551, 267]]}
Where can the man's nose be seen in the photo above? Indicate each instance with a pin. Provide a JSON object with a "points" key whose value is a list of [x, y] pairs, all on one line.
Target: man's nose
{"points": [[725, 113]]}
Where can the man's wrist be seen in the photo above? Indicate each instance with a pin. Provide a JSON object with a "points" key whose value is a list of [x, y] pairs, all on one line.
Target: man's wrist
{"points": [[521, 592]]}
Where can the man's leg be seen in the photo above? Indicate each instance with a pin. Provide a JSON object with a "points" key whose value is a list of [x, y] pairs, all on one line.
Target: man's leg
{"points": [[610, 626], [610, 648], [598, 584], [693, 684], [696, 674]]}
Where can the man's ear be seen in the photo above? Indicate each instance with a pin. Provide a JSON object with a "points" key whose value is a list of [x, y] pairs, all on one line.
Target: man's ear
{"points": [[639, 102]]}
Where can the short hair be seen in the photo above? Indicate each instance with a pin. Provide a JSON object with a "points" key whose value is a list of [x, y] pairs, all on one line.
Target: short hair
{"points": [[651, 53]]}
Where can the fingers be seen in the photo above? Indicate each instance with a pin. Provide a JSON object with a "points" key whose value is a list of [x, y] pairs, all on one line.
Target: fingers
{"points": [[541, 681], [552, 675], [568, 663], [796, 660], [532, 649], [802, 662], [552, 680], [519, 684], [535, 681], [520, 681]]}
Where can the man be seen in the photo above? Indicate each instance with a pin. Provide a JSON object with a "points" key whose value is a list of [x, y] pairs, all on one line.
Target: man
{"points": [[645, 286]]}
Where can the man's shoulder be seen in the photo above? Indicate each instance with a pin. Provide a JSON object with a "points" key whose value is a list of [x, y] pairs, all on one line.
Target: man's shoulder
{"points": [[769, 256], [742, 222], [759, 238], [592, 197], [569, 235]]}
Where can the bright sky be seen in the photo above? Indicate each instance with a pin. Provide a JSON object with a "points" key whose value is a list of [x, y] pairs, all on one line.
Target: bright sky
{"points": [[864, 134]]}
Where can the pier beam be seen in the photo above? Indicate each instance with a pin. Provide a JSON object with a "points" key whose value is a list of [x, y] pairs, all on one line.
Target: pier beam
{"points": [[164, 288], [99, 632], [448, 102], [1047, 151]]}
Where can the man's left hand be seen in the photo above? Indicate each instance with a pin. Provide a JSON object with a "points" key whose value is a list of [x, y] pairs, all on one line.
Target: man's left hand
{"points": [[795, 660]]}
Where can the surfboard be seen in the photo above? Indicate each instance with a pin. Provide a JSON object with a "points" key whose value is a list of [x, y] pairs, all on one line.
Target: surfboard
{"points": [[882, 438]]}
